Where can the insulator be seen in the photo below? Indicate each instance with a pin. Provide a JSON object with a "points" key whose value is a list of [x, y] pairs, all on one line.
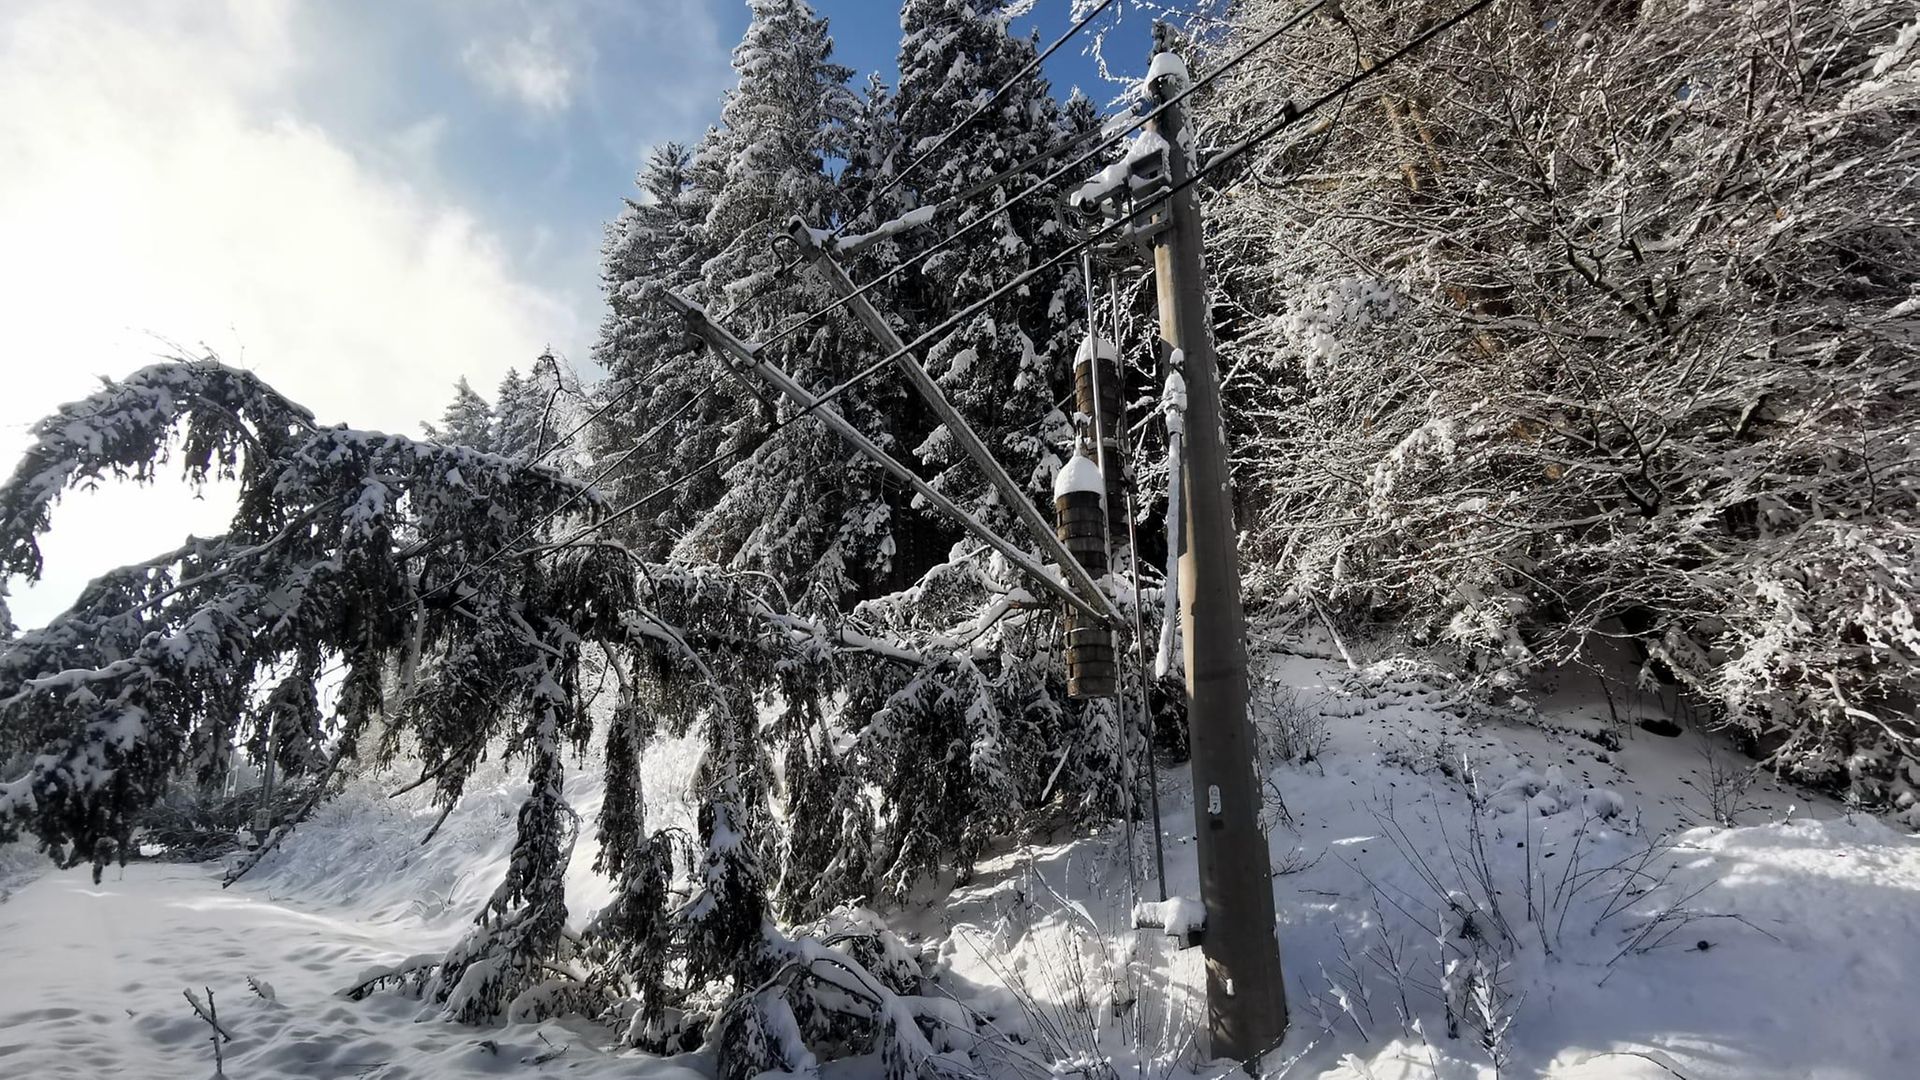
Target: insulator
{"points": [[1110, 389], [1091, 668]]}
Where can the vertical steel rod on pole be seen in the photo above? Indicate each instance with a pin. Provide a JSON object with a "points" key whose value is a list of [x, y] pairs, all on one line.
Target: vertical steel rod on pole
{"points": [[1246, 999], [1143, 665], [1128, 774]]}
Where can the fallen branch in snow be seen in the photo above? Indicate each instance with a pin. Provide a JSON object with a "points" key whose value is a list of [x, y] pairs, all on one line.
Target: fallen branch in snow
{"points": [[1326, 620], [410, 975], [546, 1055], [206, 1010], [1644, 1056]]}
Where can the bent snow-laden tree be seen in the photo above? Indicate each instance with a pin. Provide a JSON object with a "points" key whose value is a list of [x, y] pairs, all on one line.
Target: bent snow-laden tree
{"points": [[455, 595], [1598, 321]]}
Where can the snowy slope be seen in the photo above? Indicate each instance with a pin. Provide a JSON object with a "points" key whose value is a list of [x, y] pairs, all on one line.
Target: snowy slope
{"points": [[1646, 945]]}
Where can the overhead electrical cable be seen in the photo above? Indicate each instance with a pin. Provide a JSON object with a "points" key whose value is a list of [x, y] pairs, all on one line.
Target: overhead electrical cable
{"points": [[939, 144], [1289, 115], [572, 500]]}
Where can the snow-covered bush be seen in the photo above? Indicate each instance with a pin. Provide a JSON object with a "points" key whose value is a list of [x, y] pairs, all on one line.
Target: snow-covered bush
{"points": [[1597, 322]]}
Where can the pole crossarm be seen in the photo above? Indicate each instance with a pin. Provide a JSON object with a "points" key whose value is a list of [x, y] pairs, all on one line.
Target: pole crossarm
{"points": [[745, 359], [1037, 527]]}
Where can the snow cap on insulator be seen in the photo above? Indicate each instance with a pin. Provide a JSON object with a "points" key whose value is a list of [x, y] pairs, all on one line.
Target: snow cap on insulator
{"points": [[1164, 64], [1091, 344], [1078, 474]]}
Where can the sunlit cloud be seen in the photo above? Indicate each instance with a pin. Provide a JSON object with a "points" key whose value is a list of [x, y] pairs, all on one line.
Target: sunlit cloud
{"points": [[532, 69], [156, 186]]}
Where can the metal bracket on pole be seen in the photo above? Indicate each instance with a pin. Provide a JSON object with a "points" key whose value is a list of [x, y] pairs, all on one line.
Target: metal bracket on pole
{"points": [[742, 357], [957, 426]]}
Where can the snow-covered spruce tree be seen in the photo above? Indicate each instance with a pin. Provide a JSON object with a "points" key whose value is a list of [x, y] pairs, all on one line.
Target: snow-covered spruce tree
{"points": [[666, 401], [404, 563], [536, 411], [159, 666], [467, 421], [1007, 368], [628, 942], [805, 509], [1597, 322], [802, 508]]}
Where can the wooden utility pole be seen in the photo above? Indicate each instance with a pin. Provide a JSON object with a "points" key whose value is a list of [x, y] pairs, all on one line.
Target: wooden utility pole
{"points": [[1246, 999]]}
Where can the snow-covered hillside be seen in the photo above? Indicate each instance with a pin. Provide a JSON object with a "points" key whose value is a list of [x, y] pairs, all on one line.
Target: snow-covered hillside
{"points": [[1562, 895]]}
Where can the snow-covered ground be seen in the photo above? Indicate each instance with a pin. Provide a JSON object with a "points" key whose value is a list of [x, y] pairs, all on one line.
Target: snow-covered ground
{"points": [[1573, 900], [1646, 946], [91, 976]]}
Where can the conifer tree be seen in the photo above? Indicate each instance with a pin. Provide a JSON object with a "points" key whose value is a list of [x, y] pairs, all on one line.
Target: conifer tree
{"points": [[801, 507], [665, 400], [397, 561], [467, 421], [535, 411], [1007, 368]]}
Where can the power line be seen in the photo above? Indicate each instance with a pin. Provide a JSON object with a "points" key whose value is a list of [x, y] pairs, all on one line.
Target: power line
{"points": [[1071, 144], [632, 386], [1288, 116], [629, 508]]}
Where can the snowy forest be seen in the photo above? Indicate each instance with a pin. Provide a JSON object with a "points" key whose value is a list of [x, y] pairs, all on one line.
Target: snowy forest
{"points": [[1570, 379]]}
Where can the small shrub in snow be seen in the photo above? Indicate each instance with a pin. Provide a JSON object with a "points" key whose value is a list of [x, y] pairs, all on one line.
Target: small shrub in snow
{"points": [[1287, 725], [1723, 782]]}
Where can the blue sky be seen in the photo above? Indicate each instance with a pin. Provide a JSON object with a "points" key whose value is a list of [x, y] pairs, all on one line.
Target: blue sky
{"points": [[361, 200], [540, 129]]}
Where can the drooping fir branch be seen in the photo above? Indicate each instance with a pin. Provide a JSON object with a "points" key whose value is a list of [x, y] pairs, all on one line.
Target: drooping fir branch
{"points": [[901, 739], [154, 670]]}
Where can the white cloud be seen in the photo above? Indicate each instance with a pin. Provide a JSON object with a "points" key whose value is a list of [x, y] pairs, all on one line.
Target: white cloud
{"points": [[153, 186], [531, 68]]}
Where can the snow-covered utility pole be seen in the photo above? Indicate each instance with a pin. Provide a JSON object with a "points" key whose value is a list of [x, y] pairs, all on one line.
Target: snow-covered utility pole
{"points": [[263, 813], [1246, 1000]]}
